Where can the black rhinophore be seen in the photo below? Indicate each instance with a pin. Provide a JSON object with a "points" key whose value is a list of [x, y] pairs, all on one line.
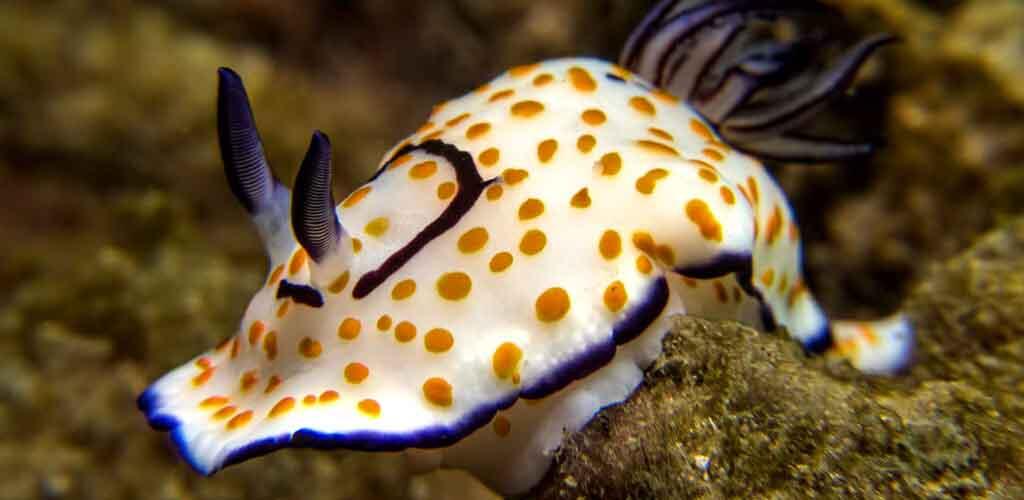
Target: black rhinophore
{"points": [[314, 221], [241, 150]]}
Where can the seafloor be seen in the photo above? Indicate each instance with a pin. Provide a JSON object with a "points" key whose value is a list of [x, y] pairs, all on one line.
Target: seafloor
{"points": [[124, 254]]}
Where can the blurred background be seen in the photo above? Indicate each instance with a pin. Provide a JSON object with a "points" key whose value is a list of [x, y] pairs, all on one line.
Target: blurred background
{"points": [[123, 253]]}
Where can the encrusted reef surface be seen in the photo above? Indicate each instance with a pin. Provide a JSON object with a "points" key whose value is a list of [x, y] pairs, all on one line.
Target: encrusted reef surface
{"points": [[124, 254]]}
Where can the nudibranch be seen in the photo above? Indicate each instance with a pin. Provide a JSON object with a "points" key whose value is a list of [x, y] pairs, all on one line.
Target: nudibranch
{"points": [[512, 266]]}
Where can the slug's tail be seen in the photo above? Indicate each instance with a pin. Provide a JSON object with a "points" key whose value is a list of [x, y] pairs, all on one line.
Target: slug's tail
{"points": [[881, 347]]}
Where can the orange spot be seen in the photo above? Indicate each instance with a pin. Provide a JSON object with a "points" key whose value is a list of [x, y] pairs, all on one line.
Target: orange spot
{"points": [[649, 181], [737, 294], [433, 135], [783, 284], [542, 80], [867, 333], [593, 117], [272, 384], [310, 348], [699, 213], [504, 94], [357, 245], [500, 261], [586, 143], [423, 170], [502, 427], [701, 130], [768, 277], [506, 359], [523, 70], [531, 209], [690, 282], [643, 241], [665, 97], [405, 331], [446, 190], [494, 192], [643, 264], [234, 347], [661, 134], [298, 260], [356, 373], [774, 226], [249, 379], [309, 400], [402, 160], [369, 407], [527, 109], [581, 199], [721, 292], [454, 285], [708, 175], [642, 106], [610, 245], [666, 255], [611, 163], [798, 289], [438, 391], [483, 88], [794, 232], [656, 148], [473, 240], [438, 340], [552, 305], [276, 275], [477, 130], [423, 128], [225, 412], [546, 149], [356, 196], [377, 227], [615, 296], [204, 363], [282, 310], [203, 377], [457, 120], [403, 290], [581, 80], [283, 405], [713, 154], [533, 242], [256, 331], [513, 176], [384, 323], [727, 195], [339, 283], [752, 185], [240, 420], [489, 157], [329, 396], [213, 402], [349, 329]]}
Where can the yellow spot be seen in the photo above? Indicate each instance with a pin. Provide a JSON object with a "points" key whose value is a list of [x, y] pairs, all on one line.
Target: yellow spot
{"points": [[339, 283], [502, 427], [240, 420], [356, 196], [661, 134], [438, 340], [356, 373], [533, 242], [527, 109], [384, 322], [581, 80], [446, 190], [489, 157], [203, 377], [708, 175], [310, 348], [593, 117], [611, 163], [542, 80], [727, 195], [423, 170], [256, 331], [438, 391], [701, 130], [513, 176], [403, 290], [642, 106], [283, 405], [586, 143], [610, 244], [405, 331], [531, 209], [501, 261], [581, 199], [699, 213], [768, 277], [643, 241], [357, 245], [643, 264], [552, 305], [494, 192], [649, 181], [377, 227], [249, 379], [457, 120], [615, 296], [523, 70], [454, 286], [298, 261], [225, 412], [276, 275], [213, 402], [270, 345], [349, 329], [283, 308], [506, 359], [504, 94], [477, 130], [369, 407], [546, 149], [713, 154], [272, 384], [657, 148], [329, 396], [473, 240]]}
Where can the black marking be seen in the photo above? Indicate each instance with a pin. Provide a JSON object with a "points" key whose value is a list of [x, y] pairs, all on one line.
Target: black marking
{"points": [[471, 185], [302, 294], [614, 78]]}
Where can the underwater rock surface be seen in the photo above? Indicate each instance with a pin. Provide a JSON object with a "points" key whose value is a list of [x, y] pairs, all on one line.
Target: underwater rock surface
{"points": [[125, 254]]}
